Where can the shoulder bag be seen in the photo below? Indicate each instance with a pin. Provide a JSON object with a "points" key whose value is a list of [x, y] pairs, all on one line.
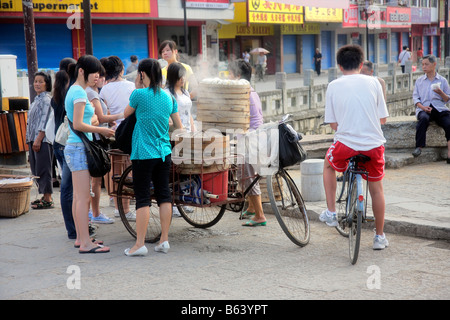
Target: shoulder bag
{"points": [[124, 133], [290, 150], [98, 160], [62, 134]]}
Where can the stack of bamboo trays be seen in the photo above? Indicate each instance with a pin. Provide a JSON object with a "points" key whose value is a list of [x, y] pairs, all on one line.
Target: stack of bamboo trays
{"points": [[224, 104]]}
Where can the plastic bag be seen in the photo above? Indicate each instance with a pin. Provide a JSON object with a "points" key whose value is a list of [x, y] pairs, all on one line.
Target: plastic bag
{"points": [[290, 150]]}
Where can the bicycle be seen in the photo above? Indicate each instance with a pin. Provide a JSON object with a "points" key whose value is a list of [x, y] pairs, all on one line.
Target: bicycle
{"points": [[351, 203], [203, 209]]}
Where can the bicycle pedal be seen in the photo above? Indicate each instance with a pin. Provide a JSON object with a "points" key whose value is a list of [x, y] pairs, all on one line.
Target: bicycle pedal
{"points": [[370, 219]]}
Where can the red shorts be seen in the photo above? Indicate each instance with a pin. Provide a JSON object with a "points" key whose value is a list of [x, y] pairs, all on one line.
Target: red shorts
{"points": [[338, 154]]}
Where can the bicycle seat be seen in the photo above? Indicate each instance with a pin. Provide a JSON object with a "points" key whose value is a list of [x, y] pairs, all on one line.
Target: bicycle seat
{"points": [[360, 158]]}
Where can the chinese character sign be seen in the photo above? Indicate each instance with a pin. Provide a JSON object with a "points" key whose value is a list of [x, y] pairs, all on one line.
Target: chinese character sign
{"points": [[261, 11]]}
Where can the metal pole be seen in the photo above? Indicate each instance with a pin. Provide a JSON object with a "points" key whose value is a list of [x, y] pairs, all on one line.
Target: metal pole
{"points": [[446, 42], [186, 31], [30, 44], [88, 27]]}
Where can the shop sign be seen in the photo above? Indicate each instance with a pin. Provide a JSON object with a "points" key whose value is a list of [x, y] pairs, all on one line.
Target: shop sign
{"points": [[229, 31], [431, 31], [208, 4], [63, 6], [420, 15], [307, 28], [323, 14], [261, 11], [350, 17], [398, 17], [377, 17]]}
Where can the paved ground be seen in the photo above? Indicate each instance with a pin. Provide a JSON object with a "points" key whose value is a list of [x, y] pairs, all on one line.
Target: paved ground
{"points": [[228, 261]]}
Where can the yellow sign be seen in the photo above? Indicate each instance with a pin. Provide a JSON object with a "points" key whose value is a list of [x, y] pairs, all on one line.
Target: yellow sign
{"points": [[230, 31], [261, 11], [64, 6], [307, 28], [323, 14]]}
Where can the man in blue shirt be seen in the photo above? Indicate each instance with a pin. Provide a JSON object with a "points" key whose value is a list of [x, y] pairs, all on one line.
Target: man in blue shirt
{"points": [[431, 94]]}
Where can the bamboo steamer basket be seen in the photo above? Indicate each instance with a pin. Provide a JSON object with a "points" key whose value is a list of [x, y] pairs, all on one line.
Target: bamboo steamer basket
{"points": [[224, 105], [14, 197], [208, 153]]}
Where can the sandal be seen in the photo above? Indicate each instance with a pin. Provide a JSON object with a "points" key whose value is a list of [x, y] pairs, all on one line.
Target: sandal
{"points": [[252, 223], [37, 201], [247, 215], [42, 205]]}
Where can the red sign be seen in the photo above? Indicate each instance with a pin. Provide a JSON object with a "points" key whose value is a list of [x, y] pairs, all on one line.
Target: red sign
{"points": [[208, 4], [350, 19], [398, 17]]}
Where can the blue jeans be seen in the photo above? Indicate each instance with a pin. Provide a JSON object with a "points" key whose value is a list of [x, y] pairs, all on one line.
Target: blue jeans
{"points": [[66, 191]]}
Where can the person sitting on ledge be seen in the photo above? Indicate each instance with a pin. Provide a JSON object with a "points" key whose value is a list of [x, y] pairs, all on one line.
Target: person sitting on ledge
{"points": [[431, 94]]}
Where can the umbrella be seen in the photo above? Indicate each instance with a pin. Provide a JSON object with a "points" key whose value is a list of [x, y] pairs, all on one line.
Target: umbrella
{"points": [[259, 50], [317, 3]]}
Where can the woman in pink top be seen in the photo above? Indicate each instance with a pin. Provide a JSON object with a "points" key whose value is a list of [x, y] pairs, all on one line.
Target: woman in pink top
{"points": [[240, 69]]}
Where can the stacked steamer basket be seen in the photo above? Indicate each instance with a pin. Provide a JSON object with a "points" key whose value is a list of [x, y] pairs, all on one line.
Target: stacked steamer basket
{"points": [[224, 104]]}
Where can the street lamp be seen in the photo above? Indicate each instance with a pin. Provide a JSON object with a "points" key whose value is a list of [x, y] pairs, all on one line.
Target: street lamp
{"points": [[366, 16]]}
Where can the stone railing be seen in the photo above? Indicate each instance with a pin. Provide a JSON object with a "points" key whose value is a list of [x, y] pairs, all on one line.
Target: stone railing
{"points": [[307, 103]]}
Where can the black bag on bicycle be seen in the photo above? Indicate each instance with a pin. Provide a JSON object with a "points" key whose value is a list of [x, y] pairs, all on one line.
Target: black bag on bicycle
{"points": [[98, 160], [290, 150]]}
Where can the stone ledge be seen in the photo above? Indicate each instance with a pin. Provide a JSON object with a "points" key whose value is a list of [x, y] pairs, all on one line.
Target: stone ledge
{"points": [[400, 133]]}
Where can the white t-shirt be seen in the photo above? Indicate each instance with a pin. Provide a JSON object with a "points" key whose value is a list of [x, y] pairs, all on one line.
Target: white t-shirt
{"points": [[117, 95], [184, 108], [403, 57], [356, 103]]}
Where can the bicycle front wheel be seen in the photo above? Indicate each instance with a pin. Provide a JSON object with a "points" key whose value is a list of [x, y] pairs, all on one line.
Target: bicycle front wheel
{"points": [[125, 206], [354, 218], [201, 217], [341, 203], [289, 207]]}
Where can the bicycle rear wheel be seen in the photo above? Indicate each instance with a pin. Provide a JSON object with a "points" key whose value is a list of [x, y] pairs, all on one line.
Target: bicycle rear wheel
{"points": [[289, 207], [125, 196], [201, 217], [355, 219]]}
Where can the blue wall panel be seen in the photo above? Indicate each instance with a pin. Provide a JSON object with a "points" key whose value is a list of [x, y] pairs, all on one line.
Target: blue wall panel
{"points": [[121, 40], [290, 54], [308, 51], [53, 42]]}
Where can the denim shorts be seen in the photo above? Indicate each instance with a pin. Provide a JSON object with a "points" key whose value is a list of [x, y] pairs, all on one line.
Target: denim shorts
{"points": [[75, 155]]}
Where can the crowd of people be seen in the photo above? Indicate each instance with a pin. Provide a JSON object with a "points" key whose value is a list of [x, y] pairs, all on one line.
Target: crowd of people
{"points": [[95, 98]]}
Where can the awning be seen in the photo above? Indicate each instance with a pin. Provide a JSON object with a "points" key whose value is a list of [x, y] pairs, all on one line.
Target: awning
{"points": [[335, 4]]}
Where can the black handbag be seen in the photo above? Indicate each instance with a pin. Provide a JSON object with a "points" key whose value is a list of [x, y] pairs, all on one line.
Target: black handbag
{"points": [[290, 150], [98, 160], [124, 133]]}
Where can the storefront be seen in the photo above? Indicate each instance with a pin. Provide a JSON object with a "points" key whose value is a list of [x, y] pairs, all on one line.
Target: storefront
{"points": [[59, 29]]}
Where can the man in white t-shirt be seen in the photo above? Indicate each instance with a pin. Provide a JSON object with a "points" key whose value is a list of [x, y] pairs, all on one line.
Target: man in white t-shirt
{"points": [[404, 56], [355, 108]]}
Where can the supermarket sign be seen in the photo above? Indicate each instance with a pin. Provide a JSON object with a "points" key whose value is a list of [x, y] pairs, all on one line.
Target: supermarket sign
{"points": [[97, 6]]}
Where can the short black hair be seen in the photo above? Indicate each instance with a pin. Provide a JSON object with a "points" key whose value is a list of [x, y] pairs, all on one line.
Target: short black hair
{"points": [[47, 79], [89, 64], [113, 67], [133, 58], [350, 57], [241, 68]]}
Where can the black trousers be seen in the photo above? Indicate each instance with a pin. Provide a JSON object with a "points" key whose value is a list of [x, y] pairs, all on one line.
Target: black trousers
{"points": [[442, 119]]}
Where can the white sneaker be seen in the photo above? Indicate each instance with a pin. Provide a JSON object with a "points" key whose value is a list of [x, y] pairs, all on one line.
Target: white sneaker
{"points": [[163, 247], [131, 216], [176, 212], [380, 242], [329, 218]]}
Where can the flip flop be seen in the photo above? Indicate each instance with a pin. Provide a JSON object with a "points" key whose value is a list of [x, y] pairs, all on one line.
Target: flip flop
{"points": [[37, 201], [247, 215], [252, 223], [94, 250], [100, 242]]}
